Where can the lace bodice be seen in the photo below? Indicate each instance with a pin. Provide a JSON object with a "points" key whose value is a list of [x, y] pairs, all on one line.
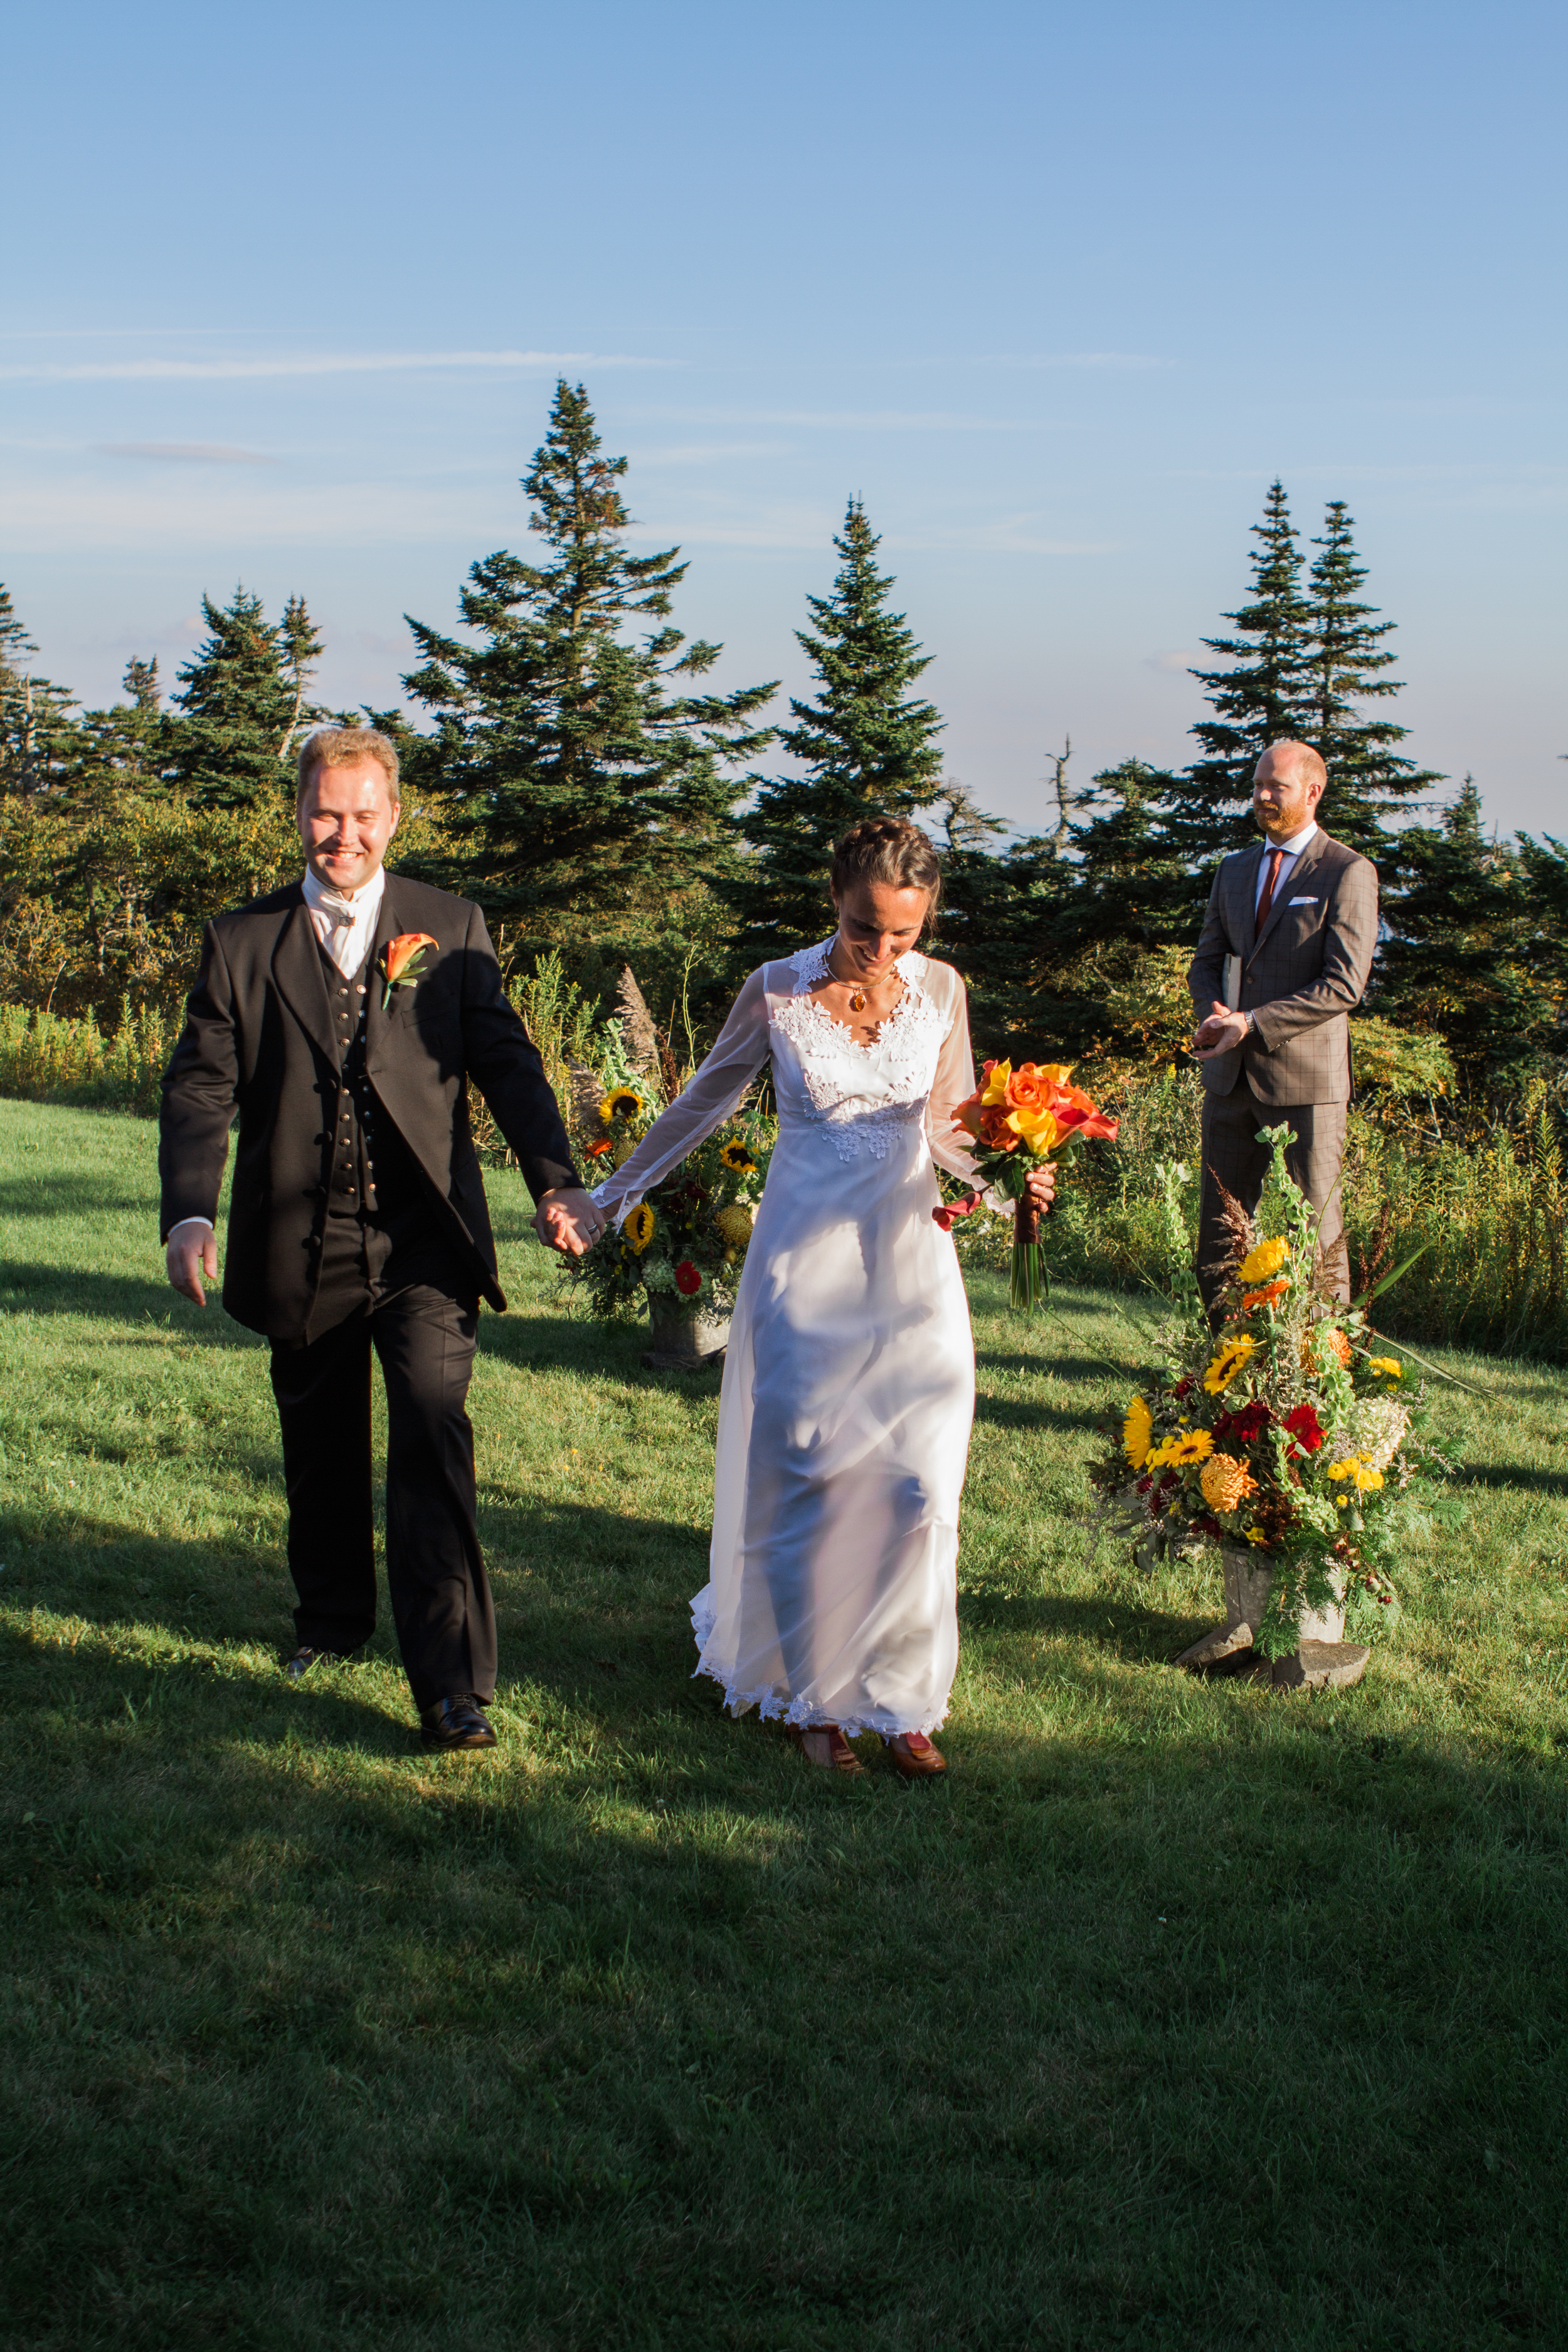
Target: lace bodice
{"points": [[853, 1098]]}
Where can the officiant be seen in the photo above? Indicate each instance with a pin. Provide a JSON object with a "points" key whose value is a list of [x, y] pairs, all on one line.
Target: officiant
{"points": [[1282, 962]]}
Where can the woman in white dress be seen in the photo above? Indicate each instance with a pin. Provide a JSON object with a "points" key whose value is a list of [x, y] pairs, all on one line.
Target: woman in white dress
{"points": [[849, 1385]]}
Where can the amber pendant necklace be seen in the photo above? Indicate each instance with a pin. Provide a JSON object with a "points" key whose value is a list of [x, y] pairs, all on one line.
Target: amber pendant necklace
{"points": [[856, 993]]}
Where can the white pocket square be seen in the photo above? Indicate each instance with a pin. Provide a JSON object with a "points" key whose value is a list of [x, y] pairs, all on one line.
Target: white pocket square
{"points": [[1303, 902]]}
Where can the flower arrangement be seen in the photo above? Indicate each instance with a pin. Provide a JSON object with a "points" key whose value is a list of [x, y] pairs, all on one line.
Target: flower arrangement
{"points": [[1017, 1120], [687, 1239], [1290, 1430]]}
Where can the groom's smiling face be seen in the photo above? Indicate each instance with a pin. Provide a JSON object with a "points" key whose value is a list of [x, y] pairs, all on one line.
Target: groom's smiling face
{"points": [[346, 819]]}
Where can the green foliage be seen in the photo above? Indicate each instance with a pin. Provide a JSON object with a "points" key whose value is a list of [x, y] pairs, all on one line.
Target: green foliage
{"points": [[866, 748], [585, 787], [45, 1057], [1457, 957], [35, 713], [310, 2039]]}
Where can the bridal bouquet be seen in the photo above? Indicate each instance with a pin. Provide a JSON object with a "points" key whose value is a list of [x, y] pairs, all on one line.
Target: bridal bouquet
{"points": [[1294, 1429], [1016, 1120]]}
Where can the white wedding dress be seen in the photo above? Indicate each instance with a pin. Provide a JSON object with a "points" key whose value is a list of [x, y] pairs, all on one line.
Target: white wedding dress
{"points": [[849, 1385]]}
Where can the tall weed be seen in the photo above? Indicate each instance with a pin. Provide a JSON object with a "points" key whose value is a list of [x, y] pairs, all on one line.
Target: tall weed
{"points": [[48, 1057]]}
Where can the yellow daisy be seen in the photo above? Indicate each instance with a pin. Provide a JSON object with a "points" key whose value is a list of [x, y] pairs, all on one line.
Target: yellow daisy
{"points": [[1188, 1445], [1389, 1366]]}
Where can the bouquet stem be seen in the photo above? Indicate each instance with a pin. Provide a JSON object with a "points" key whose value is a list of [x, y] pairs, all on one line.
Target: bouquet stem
{"points": [[1030, 1281]]}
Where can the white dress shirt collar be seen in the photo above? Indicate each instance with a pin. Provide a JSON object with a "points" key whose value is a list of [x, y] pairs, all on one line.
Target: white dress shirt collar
{"points": [[1297, 843], [344, 920]]}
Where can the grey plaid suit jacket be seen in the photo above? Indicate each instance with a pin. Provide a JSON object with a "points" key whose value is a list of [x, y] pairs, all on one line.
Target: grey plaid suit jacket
{"points": [[1303, 975]]}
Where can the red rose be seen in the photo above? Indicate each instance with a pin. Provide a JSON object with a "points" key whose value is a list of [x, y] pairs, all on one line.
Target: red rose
{"points": [[688, 1281]]}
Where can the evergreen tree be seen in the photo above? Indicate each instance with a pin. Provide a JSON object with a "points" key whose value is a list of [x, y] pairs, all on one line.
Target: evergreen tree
{"points": [[241, 703], [35, 725], [1260, 700], [583, 777], [866, 749], [1456, 954], [1545, 867], [140, 685], [1342, 667]]}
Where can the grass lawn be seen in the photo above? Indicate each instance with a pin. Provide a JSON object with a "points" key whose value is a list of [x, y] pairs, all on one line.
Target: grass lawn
{"points": [[1181, 2014]]}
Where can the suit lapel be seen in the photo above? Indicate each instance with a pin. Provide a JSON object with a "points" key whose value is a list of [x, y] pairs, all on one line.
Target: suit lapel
{"points": [[382, 1024], [300, 980], [1308, 858], [1248, 884]]}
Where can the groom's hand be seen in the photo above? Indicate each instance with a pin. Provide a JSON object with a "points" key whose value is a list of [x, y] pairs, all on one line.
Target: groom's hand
{"points": [[567, 1220], [1221, 1031], [192, 1252]]}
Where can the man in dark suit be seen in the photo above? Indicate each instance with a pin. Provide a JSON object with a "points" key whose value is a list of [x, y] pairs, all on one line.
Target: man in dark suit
{"points": [[357, 1217], [1291, 927]]}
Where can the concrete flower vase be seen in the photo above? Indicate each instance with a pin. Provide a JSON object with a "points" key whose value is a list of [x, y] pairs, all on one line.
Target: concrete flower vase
{"points": [[1323, 1660], [685, 1339]]}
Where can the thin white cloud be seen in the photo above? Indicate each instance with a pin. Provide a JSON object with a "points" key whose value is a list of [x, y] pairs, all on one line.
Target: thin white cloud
{"points": [[185, 453], [1175, 663], [239, 367], [870, 420]]}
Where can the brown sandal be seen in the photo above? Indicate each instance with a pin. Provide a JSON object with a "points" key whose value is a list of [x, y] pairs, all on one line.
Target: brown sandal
{"points": [[840, 1756], [910, 1753]]}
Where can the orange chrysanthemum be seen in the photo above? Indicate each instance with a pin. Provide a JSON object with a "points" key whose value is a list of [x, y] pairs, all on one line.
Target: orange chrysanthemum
{"points": [[1225, 1482]]}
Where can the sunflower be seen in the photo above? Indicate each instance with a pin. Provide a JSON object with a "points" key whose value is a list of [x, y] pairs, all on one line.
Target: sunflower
{"points": [[638, 1227], [1186, 1445], [735, 1155], [1226, 1483], [1135, 1433], [1261, 1264], [621, 1102], [1230, 1360]]}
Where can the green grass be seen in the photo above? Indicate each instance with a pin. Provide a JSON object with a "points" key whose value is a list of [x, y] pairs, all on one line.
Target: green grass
{"points": [[1181, 2015]]}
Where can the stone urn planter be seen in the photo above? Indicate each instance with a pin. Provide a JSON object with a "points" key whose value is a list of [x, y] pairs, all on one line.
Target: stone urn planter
{"points": [[685, 1339], [1323, 1660]]}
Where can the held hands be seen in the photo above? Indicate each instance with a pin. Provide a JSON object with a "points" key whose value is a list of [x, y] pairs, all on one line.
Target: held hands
{"points": [[567, 1221], [190, 1254], [1217, 1035], [1042, 1186]]}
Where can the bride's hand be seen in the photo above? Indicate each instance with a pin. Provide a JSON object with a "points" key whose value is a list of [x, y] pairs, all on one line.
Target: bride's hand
{"points": [[1042, 1183]]}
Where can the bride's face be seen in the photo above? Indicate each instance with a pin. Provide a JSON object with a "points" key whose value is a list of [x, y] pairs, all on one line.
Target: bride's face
{"points": [[877, 924]]}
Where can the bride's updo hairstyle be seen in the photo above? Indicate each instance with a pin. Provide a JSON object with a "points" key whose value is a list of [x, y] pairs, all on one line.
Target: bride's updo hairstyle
{"points": [[890, 850]]}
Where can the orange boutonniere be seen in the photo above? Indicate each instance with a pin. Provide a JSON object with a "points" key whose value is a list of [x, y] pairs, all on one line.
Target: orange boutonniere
{"points": [[402, 962]]}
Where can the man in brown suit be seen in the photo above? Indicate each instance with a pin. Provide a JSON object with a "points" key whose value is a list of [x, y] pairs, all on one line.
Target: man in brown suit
{"points": [[1282, 962]]}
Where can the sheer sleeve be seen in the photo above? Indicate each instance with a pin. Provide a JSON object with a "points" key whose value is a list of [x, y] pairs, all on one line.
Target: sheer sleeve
{"points": [[955, 1079], [713, 1091]]}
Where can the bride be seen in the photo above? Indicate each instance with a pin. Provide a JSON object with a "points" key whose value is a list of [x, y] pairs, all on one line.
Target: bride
{"points": [[849, 1385]]}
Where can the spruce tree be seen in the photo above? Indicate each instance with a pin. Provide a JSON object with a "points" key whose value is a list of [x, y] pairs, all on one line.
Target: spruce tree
{"points": [[1456, 954], [36, 731], [240, 704], [1341, 668], [582, 777], [866, 748], [1257, 701]]}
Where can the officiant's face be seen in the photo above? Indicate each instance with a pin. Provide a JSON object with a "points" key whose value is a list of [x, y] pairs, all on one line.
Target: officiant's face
{"points": [[878, 923], [346, 819], [1284, 796]]}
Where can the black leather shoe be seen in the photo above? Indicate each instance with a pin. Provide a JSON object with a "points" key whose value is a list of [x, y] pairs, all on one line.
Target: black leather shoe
{"points": [[456, 1723], [302, 1661]]}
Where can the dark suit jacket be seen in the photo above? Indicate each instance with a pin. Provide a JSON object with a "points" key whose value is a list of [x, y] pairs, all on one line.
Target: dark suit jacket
{"points": [[1303, 974], [258, 1040]]}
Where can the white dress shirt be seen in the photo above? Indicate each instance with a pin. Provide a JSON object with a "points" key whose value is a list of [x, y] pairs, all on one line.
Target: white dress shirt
{"points": [[1289, 852], [344, 921]]}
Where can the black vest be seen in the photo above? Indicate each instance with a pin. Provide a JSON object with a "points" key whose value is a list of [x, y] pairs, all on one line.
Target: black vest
{"points": [[373, 1174]]}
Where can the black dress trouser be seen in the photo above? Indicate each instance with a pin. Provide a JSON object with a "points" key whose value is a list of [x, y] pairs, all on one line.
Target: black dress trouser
{"points": [[423, 1331]]}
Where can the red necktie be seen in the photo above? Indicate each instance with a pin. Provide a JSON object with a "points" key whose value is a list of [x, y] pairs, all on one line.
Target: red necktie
{"points": [[1276, 861]]}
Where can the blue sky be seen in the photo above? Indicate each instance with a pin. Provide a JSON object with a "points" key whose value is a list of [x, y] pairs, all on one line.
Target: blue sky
{"points": [[1057, 291]]}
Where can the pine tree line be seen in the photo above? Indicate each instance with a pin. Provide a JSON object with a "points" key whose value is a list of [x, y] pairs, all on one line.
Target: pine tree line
{"points": [[574, 774]]}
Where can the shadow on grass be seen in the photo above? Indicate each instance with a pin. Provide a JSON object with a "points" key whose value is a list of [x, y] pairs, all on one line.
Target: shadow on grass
{"points": [[1512, 1474], [120, 1298], [1126, 1628], [66, 1195]]}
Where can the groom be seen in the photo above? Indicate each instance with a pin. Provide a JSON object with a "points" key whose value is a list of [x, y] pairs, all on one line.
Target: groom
{"points": [[357, 1218]]}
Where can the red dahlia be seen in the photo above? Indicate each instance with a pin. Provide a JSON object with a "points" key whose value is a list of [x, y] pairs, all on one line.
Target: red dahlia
{"points": [[688, 1281]]}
